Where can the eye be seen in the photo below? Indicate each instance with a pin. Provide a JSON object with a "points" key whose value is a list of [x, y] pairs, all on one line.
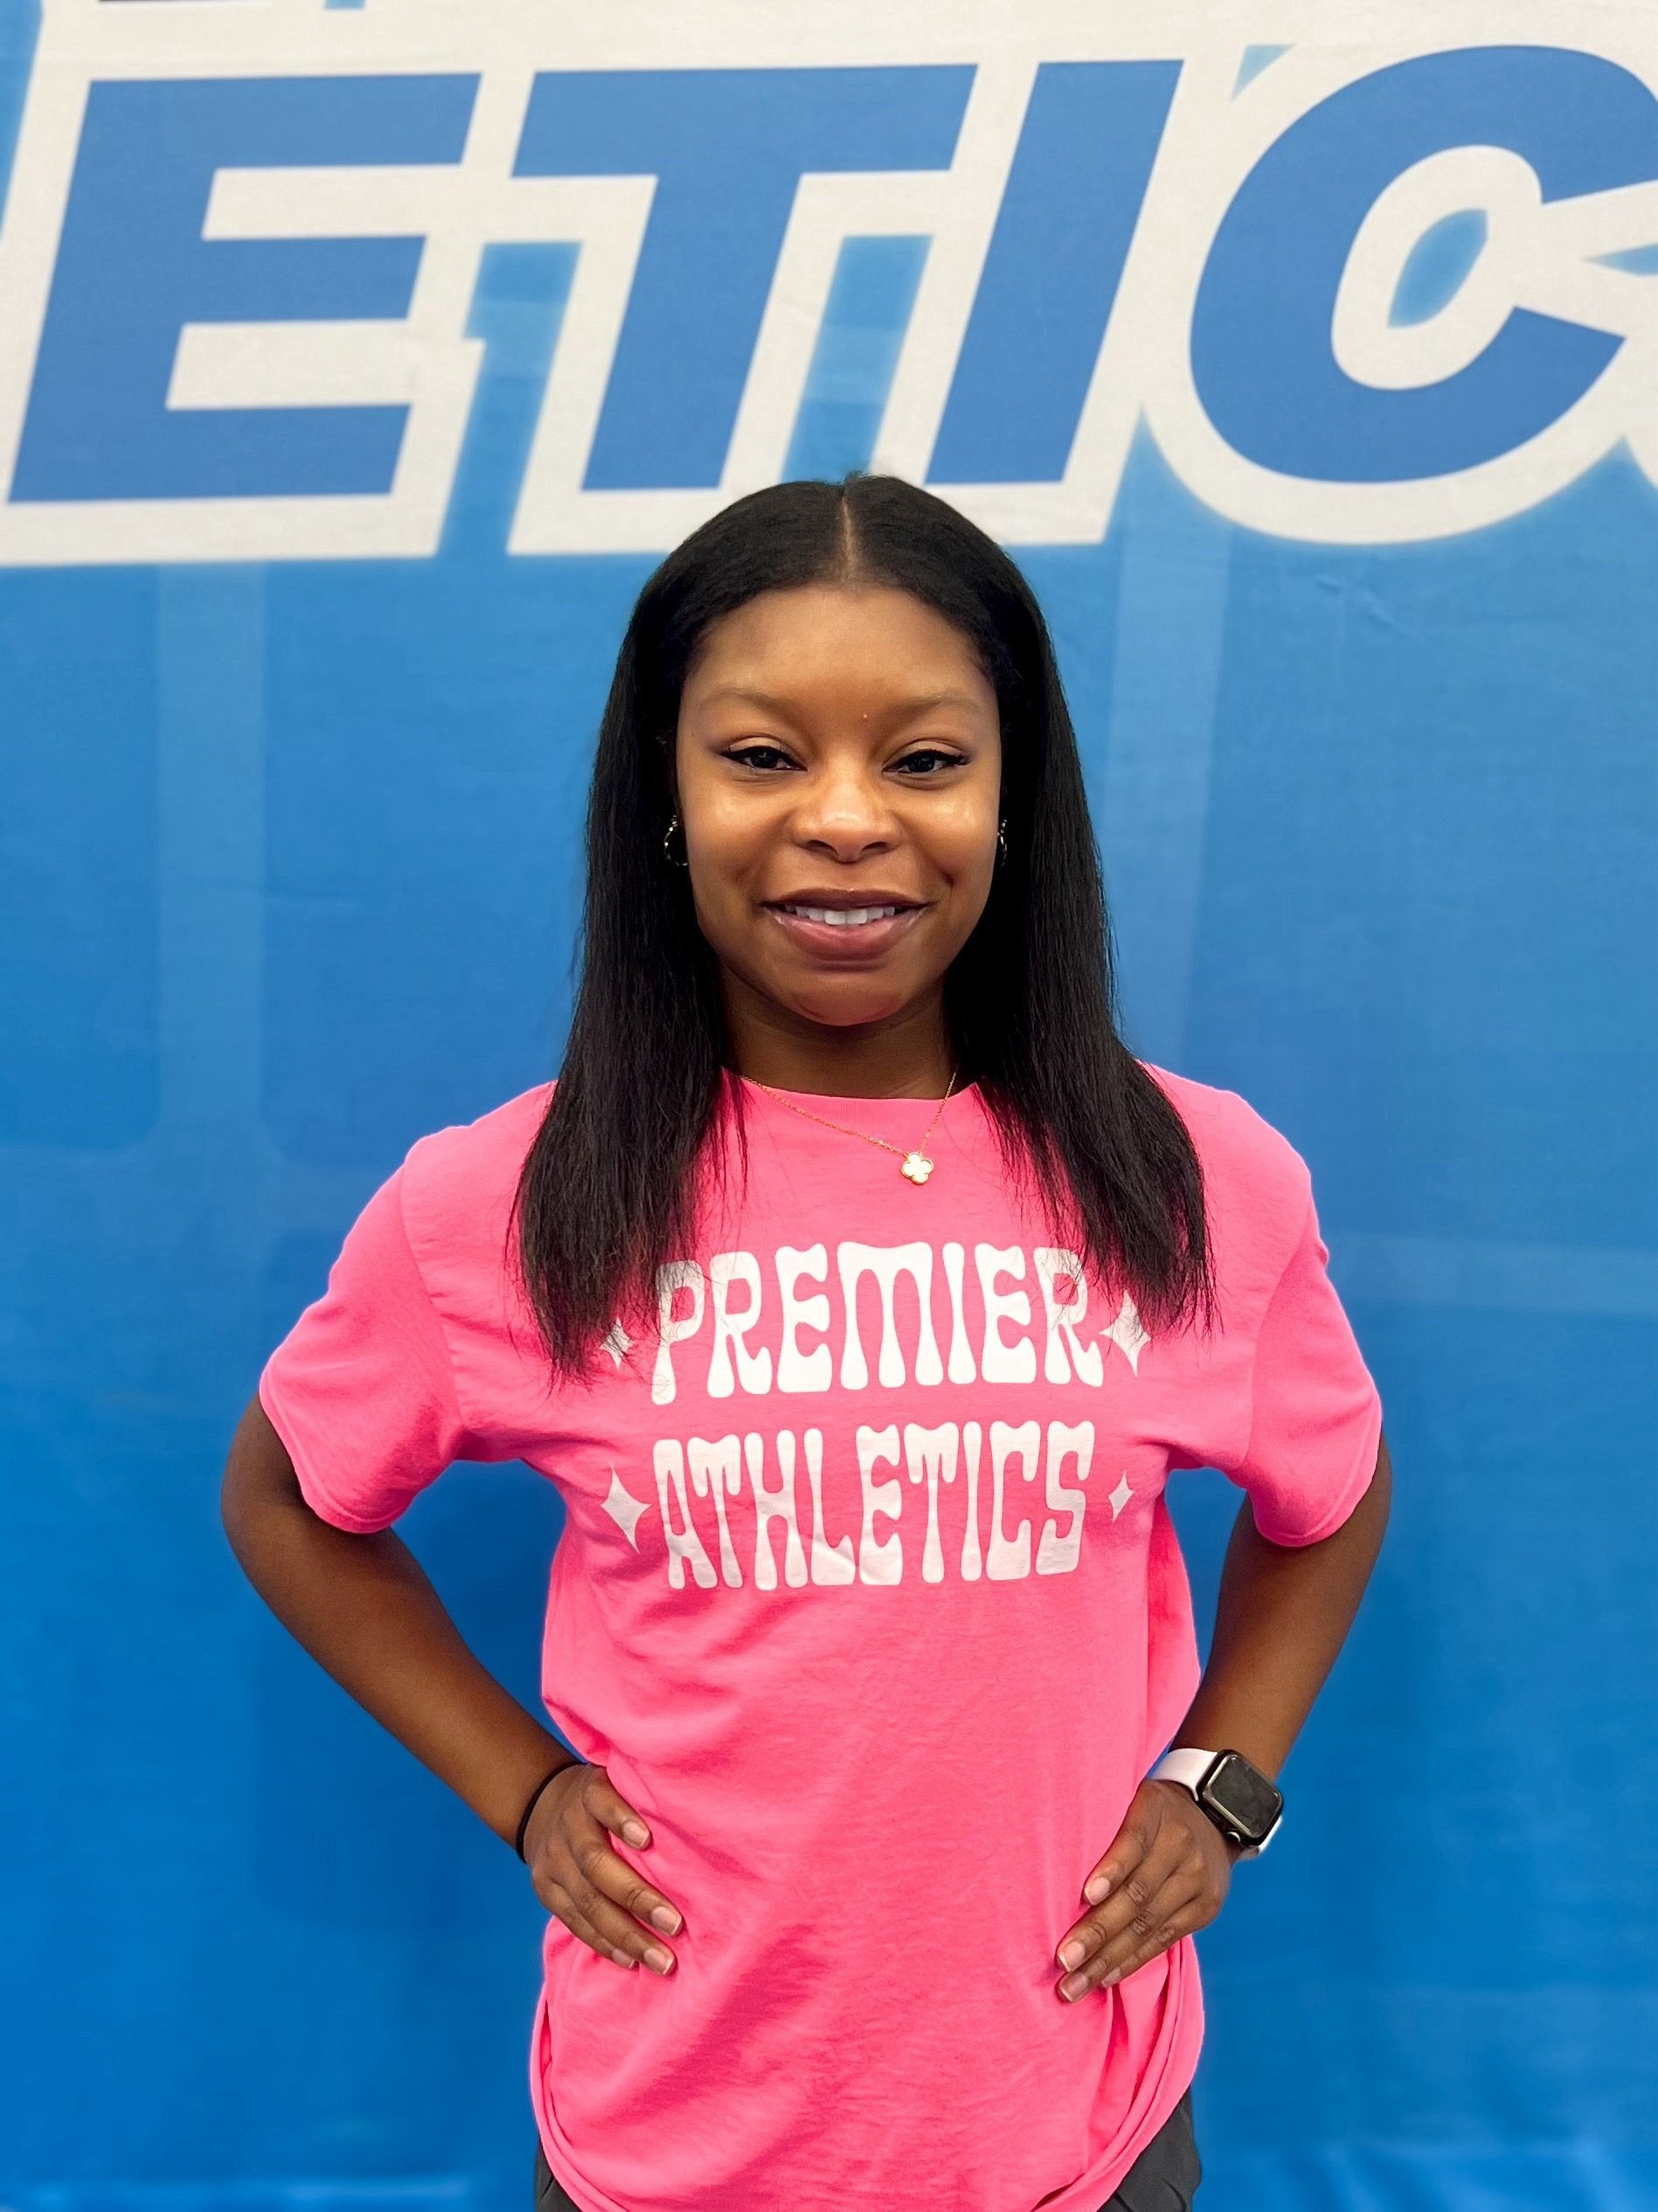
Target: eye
{"points": [[758, 754], [945, 758]]}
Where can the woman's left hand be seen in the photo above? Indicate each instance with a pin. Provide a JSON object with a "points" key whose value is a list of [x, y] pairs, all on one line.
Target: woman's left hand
{"points": [[1167, 1871]]}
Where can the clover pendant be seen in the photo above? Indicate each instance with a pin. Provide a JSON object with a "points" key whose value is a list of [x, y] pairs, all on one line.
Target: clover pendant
{"points": [[917, 1166]]}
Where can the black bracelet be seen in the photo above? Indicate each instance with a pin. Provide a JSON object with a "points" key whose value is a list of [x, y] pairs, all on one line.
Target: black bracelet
{"points": [[517, 1844]]}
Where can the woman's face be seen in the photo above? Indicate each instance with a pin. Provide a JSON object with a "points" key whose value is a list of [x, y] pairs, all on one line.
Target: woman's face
{"points": [[838, 755]]}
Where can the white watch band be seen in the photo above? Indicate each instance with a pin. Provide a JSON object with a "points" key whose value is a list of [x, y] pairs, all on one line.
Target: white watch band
{"points": [[1183, 1766], [1188, 1766]]}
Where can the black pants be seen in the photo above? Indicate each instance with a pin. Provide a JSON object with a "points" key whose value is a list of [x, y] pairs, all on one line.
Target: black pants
{"points": [[1163, 2178]]}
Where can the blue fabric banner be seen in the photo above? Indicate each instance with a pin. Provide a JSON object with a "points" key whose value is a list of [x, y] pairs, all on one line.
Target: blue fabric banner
{"points": [[357, 365]]}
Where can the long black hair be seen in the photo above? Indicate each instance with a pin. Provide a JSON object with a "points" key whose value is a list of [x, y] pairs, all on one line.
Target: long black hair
{"points": [[609, 1187]]}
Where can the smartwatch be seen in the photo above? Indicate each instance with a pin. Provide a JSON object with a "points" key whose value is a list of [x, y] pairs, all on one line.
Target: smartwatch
{"points": [[1242, 1802]]}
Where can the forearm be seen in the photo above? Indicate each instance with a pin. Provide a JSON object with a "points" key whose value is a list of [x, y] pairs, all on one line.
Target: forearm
{"points": [[1282, 1614], [364, 1609]]}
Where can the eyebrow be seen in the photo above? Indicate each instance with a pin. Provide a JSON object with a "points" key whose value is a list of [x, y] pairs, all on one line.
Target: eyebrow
{"points": [[921, 704]]}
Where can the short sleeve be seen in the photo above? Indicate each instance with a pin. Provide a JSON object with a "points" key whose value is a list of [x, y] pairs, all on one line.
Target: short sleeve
{"points": [[1316, 1415], [361, 1389]]}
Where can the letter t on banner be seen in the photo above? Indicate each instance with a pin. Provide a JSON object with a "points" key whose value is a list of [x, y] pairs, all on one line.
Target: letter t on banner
{"points": [[728, 149]]}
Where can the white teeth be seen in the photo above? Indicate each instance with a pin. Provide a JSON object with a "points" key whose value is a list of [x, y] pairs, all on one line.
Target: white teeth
{"points": [[842, 917]]}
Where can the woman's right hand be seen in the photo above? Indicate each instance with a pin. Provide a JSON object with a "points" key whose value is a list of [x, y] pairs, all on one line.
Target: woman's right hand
{"points": [[582, 1881]]}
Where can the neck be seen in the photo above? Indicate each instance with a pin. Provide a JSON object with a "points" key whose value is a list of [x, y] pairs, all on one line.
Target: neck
{"points": [[906, 1056]]}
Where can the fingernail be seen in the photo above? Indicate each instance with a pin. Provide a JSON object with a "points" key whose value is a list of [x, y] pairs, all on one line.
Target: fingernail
{"points": [[666, 1919], [1071, 1988], [657, 1959], [1114, 1975], [634, 1832], [1095, 1888], [1071, 1955]]}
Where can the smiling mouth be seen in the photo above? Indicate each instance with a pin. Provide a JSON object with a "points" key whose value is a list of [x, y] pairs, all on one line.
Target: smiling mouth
{"points": [[840, 917]]}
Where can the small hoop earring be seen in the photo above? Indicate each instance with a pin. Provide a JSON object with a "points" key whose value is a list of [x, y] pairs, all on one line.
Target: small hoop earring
{"points": [[667, 834]]}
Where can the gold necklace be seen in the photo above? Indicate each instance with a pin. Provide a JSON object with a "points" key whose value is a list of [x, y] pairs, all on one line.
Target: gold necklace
{"points": [[915, 1165]]}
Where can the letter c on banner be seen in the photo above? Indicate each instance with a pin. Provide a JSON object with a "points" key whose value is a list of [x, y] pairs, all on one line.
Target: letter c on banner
{"points": [[1263, 363]]}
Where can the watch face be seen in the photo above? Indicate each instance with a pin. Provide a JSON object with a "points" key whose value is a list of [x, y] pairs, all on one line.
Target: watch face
{"points": [[1243, 1795]]}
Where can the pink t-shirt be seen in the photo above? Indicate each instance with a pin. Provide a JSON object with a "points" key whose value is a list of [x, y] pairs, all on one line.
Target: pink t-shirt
{"points": [[869, 1600]]}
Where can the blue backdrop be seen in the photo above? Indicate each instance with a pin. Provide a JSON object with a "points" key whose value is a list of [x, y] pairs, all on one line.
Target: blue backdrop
{"points": [[352, 378]]}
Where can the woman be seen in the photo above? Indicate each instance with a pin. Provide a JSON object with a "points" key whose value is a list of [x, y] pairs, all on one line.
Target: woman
{"points": [[858, 1289]]}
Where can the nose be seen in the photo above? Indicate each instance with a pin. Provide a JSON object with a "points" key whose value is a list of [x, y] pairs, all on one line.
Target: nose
{"points": [[844, 809]]}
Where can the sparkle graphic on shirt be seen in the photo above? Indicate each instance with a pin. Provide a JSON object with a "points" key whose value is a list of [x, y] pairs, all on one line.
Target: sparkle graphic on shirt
{"points": [[1127, 1334], [618, 1344], [1118, 1498], [624, 1509]]}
